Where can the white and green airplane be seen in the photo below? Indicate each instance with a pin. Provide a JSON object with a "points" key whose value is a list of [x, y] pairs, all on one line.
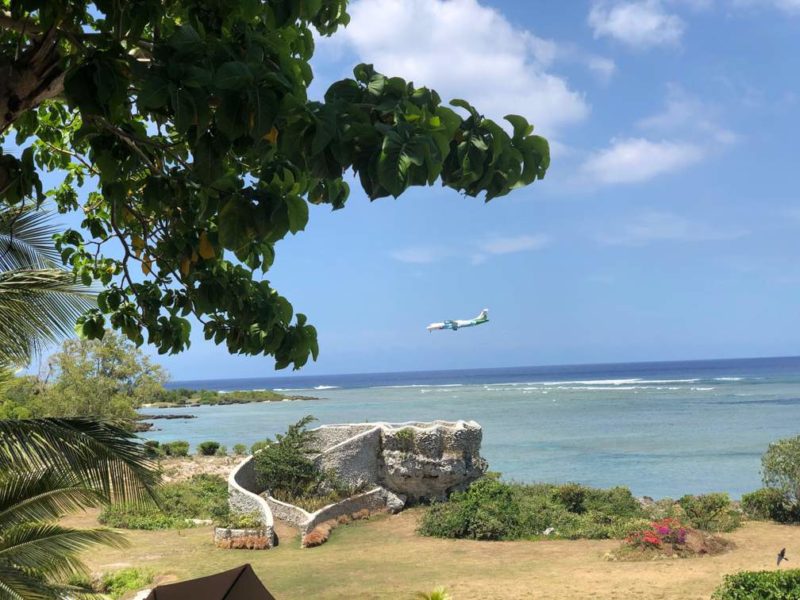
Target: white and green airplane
{"points": [[459, 323]]}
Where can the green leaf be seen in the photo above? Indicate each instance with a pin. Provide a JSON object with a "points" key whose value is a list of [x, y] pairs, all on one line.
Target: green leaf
{"points": [[234, 224], [233, 76], [155, 93], [186, 41], [521, 126], [298, 213]]}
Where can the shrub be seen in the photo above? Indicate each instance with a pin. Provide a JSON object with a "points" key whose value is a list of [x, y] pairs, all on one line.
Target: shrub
{"points": [[118, 583], [153, 449], [406, 438], [760, 585], [259, 445], [493, 510], [710, 512], [207, 448], [177, 448], [201, 497], [780, 467], [769, 504], [239, 449], [252, 520], [221, 451], [571, 497], [284, 466]]}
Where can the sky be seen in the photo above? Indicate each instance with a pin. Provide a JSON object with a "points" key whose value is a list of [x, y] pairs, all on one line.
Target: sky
{"points": [[666, 228]]}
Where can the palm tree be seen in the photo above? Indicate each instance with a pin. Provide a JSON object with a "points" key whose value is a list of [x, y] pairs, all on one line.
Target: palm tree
{"points": [[39, 301], [49, 467]]}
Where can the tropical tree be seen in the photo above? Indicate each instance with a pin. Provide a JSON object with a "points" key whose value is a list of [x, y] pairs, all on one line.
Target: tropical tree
{"points": [[191, 123], [39, 300], [50, 466]]}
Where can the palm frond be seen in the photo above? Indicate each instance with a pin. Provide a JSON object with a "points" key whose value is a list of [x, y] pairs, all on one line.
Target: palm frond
{"points": [[37, 306], [43, 495], [104, 456], [53, 551], [17, 584], [26, 239]]}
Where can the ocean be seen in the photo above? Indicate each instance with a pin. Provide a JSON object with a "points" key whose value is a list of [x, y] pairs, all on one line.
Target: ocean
{"points": [[662, 429]]}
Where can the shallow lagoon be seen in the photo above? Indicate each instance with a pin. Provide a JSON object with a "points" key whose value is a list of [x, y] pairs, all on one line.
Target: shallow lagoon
{"points": [[661, 429]]}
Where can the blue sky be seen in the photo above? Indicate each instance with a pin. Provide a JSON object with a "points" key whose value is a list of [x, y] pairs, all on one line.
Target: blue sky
{"points": [[667, 227]]}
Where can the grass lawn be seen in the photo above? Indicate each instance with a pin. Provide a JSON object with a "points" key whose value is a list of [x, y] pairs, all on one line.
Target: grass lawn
{"points": [[384, 558]]}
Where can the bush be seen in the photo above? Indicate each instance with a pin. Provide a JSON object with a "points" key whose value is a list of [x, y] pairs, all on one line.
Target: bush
{"points": [[239, 449], [118, 583], [760, 585], [259, 445], [201, 497], [769, 504], [710, 512], [207, 448], [177, 448], [780, 468], [406, 438], [234, 520], [152, 449], [493, 510], [221, 451], [284, 467]]}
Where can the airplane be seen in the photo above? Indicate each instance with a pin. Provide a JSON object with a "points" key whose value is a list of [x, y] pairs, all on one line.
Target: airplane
{"points": [[459, 323]]}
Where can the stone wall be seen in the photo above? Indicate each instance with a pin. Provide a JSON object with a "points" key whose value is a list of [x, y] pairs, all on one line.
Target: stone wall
{"points": [[243, 499], [354, 461], [372, 500], [397, 461]]}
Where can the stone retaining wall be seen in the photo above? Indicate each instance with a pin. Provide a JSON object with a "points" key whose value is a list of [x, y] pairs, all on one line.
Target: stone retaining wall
{"points": [[243, 499]]}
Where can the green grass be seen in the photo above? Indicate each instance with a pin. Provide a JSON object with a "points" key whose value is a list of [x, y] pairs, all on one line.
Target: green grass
{"points": [[200, 497]]}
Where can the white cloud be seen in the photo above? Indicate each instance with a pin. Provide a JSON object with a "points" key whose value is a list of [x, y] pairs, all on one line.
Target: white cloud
{"points": [[464, 50], [685, 114], [685, 132], [604, 68], [639, 23], [509, 245], [654, 226], [478, 253], [632, 160]]}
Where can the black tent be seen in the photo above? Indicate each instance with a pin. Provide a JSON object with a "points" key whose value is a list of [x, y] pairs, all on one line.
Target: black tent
{"points": [[240, 583]]}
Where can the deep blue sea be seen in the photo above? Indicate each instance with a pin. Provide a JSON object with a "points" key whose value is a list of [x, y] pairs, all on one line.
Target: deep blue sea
{"points": [[662, 429]]}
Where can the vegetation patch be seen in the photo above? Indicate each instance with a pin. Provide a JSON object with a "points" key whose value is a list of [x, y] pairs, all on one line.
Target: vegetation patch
{"points": [[494, 510], [200, 497], [285, 470], [710, 512], [208, 448], [669, 538], [760, 585], [406, 438]]}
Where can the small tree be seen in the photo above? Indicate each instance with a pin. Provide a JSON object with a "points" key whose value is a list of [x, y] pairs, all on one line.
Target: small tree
{"points": [[780, 467], [284, 467], [208, 448], [239, 449]]}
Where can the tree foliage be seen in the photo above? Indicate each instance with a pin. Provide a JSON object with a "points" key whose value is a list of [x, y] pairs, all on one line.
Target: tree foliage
{"points": [[106, 378], [190, 123], [780, 468]]}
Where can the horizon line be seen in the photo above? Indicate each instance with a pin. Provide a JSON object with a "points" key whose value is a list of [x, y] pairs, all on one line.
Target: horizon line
{"points": [[540, 366]]}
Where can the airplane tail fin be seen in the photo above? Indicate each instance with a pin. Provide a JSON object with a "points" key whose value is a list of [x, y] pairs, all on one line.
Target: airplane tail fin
{"points": [[484, 316]]}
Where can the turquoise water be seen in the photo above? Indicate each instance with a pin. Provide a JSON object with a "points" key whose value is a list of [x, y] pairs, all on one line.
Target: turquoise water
{"points": [[661, 429]]}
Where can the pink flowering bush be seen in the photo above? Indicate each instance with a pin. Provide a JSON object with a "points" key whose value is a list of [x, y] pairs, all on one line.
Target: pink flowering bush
{"points": [[668, 531]]}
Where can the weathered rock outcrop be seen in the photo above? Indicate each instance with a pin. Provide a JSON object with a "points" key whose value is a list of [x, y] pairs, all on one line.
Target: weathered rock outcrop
{"points": [[419, 461], [394, 462]]}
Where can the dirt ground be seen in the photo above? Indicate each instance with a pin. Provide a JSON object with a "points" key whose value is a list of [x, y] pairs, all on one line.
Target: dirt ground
{"points": [[385, 558]]}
